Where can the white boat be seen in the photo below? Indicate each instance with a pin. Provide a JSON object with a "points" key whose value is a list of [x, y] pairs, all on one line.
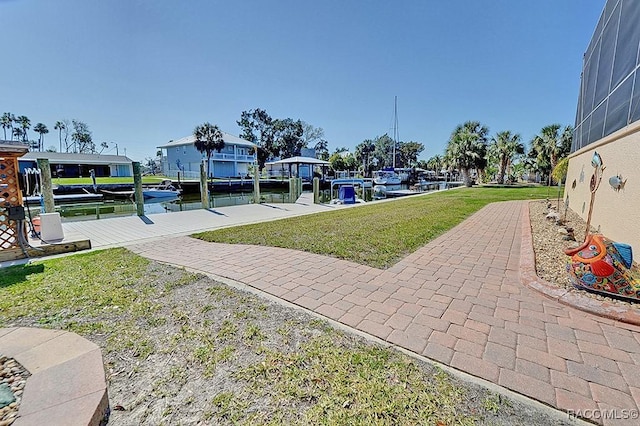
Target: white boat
{"points": [[163, 190], [160, 193], [386, 177]]}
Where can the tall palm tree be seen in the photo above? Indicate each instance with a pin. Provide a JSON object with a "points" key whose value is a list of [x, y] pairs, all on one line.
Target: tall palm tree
{"points": [[42, 130], [25, 124], [551, 145], [7, 123], [60, 126], [467, 148], [505, 145], [208, 139]]}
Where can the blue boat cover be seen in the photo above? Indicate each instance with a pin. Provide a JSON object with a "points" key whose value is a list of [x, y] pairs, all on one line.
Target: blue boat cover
{"points": [[347, 194]]}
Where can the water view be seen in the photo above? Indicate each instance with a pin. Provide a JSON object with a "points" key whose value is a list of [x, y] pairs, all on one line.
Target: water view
{"points": [[127, 207]]}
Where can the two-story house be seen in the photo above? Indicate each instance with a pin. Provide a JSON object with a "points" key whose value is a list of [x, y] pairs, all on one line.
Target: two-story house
{"points": [[232, 161]]}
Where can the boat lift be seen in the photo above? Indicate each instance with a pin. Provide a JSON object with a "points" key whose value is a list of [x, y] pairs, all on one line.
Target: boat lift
{"points": [[346, 191]]}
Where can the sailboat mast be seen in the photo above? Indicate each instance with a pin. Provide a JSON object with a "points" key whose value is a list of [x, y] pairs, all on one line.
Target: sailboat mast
{"points": [[395, 130]]}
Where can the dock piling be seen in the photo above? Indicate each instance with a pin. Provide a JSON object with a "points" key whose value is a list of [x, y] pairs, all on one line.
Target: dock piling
{"points": [[137, 184], [204, 188], [45, 182]]}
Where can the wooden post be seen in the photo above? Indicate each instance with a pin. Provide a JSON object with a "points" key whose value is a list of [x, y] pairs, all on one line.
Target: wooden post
{"points": [[137, 187], [47, 189], [204, 188], [256, 185], [316, 190], [294, 189]]}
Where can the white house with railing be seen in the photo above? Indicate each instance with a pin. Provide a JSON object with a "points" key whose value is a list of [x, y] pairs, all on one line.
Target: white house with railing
{"points": [[233, 160]]}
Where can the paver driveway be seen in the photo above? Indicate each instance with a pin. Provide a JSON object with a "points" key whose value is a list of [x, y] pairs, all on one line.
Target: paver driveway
{"points": [[457, 300]]}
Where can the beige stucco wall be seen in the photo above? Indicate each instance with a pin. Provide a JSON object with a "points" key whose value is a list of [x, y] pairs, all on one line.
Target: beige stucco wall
{"points": [[615, 214]]}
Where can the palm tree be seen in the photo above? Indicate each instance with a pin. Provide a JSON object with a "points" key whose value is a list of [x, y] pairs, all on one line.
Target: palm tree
{"points": [[42, 130], [363, 155], [7, 123], [505, 145], [435, 163], [551, 145], [18, 133], [60, 126], [208, 139], [467, 148], [25, 123]]}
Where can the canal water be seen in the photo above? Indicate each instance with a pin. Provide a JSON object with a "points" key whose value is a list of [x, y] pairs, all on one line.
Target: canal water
{"points": [[119, 207]]}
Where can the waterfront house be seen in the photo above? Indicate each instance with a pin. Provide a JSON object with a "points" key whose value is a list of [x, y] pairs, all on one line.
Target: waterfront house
{"points": [[233, 160]]}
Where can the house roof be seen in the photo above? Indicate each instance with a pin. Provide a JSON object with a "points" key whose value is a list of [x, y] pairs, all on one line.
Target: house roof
{"points": [[71, 158], [190, 140], [300, 160]]}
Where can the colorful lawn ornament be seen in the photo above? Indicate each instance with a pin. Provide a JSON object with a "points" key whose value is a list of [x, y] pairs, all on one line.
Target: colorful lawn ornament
{"points": [[606, 267]]}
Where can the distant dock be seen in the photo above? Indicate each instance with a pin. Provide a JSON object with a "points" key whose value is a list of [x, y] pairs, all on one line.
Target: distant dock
{"points": [[66, 198]]}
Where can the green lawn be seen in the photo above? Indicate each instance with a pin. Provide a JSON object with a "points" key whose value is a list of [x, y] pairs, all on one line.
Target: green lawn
{"points": [[377, 234], [57, 289]]}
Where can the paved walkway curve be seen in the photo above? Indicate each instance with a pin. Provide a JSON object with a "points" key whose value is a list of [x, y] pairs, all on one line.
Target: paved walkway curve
{"points": [[457, 300]]}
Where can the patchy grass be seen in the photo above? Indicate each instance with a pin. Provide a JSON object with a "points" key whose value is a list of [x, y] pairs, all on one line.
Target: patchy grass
{"points": [[493, 402], [357, 384], [377, 234]]}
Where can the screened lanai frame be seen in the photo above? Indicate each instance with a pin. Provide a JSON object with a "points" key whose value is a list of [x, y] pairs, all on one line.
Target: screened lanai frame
{"points": [[609, 96]]}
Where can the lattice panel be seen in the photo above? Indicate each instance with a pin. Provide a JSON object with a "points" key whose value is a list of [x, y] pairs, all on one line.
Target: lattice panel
{"points": [[9, 196]]}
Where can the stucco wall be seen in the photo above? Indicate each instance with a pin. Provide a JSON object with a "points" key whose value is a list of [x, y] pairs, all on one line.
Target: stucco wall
{"points": [[615, 214]]}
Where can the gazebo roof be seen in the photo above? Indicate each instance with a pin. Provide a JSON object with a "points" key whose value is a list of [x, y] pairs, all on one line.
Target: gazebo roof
{"points": [[300, 160], [14, 147]]}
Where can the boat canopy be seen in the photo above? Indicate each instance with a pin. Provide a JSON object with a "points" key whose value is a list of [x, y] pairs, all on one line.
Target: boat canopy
{"points": [[347, 181]]}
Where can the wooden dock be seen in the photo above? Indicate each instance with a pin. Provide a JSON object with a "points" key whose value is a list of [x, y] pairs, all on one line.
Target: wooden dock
{"points": [[67, 198]]}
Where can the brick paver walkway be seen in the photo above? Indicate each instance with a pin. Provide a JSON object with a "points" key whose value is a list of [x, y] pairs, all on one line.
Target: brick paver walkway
{"points": [[457, 300]]}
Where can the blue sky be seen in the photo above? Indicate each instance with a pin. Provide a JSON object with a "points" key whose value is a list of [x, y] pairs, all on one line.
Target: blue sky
{"points": [[141, 73]]}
